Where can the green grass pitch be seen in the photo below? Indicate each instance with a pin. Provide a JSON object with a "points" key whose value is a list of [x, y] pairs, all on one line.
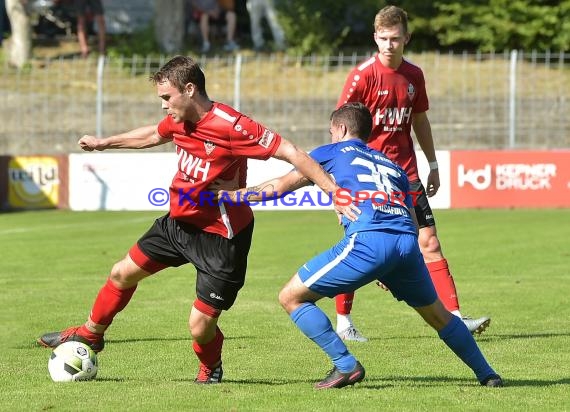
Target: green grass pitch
{"points": [[512, 265]]}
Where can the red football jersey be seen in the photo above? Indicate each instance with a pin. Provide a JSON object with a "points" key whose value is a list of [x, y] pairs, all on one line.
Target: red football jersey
{"points": [[217, 146], [391, 96]]}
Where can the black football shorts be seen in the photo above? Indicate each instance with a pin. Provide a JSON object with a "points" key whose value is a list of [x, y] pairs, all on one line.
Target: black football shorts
{"points": [[221, 263], [422, 207]]}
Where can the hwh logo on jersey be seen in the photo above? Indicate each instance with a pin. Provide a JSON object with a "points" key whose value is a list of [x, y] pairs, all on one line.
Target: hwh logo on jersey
{"points": [[393, 116], [192, 166]]}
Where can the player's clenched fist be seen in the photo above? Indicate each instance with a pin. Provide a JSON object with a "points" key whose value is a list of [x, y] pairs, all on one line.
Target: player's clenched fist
{"points": [[88, 143]]}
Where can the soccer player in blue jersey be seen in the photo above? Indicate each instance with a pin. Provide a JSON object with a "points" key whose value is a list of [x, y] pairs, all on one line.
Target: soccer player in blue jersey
{"points": [[381, 245]]}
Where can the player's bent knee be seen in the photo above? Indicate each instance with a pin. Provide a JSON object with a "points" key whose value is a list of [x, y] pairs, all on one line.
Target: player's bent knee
{"points": [[283, 297], [200, 331], [116, 274], [202, 325], [126, 274], [287, 299]]}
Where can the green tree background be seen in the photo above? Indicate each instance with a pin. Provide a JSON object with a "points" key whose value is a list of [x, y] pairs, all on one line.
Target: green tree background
{"points": [[332, 26], [326, 26]]}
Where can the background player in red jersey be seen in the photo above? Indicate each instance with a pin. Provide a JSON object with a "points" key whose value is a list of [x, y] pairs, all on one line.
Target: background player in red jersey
{"points": [[394, 91], [213, 142]]}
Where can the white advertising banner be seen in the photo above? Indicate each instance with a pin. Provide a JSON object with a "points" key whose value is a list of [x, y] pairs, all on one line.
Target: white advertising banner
{"points": [[140, 181], [120, 181]]}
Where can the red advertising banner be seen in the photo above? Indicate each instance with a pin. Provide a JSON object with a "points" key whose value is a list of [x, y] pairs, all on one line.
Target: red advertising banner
{"points": [[510, 179]]}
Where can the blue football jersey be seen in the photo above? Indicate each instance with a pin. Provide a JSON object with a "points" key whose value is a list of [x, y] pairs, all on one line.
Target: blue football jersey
{"points": [[377, 186]]}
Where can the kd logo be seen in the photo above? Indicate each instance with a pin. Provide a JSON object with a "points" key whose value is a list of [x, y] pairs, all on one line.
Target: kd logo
{"points": [[480, 179]]}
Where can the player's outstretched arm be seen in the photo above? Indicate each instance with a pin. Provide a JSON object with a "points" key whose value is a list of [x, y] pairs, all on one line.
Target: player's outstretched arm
{"points": [[270, 189], [140, 138], [314, 172]]}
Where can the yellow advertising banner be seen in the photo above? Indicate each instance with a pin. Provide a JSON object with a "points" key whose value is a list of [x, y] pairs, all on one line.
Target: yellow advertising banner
{"points": [[33, 182]]}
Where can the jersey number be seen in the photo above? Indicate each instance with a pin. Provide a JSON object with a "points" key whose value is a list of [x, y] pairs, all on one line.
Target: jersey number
{"points": [[379, 174]]}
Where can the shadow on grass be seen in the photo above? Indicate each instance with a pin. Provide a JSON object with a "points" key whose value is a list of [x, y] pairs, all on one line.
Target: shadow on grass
{"points": [[371, 382], [487, 336], [437, 380], [111, 380], [499, 336], [170, 339], [536, 382], [482, 338], [34, 343], [384, 382]]}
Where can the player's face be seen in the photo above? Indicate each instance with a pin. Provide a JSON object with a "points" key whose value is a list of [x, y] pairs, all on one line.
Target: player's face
{"points": [[176, 104], [391, 42]]}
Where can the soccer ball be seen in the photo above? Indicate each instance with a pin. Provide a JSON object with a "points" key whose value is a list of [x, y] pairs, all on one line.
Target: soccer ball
{"points": [[72, 361]]}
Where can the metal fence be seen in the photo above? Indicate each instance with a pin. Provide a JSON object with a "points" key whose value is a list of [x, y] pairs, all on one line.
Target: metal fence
{"points": [[477, 101]]}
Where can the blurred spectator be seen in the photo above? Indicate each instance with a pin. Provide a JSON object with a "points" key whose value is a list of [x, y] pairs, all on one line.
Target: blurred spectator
{"points": [[83, 8], [2, 11], [257, 10], [206, 11], [19, 50]]}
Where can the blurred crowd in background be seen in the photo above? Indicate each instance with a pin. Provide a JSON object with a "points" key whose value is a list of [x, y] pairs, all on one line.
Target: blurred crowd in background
{"points": [[209, 23]]}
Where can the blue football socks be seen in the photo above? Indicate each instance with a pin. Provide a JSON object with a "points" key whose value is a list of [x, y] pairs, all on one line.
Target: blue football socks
{"points": [[316, 326], [456, 335]]}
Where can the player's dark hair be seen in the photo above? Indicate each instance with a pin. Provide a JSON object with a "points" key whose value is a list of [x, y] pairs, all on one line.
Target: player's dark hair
{"points": [[356, 117], [179, 71], [391, 16]]}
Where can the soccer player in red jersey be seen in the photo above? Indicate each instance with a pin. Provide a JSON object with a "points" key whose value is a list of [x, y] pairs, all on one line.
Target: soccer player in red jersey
{"points": [[394, 91], [213, 142]]}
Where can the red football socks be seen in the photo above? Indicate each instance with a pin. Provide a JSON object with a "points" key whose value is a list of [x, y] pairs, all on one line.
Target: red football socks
{"points": [[87, 334], [344, 303], [210, 354], [110, 301], [444, 284]]}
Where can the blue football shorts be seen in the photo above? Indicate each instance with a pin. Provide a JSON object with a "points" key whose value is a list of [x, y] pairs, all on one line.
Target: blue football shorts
{"points": [[393, 259]]}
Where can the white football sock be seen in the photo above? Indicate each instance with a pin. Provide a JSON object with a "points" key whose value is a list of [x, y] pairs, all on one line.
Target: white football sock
{"points": [[343, 322]]}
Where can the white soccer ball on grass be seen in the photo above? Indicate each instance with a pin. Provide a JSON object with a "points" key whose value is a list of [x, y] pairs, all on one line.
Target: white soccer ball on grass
{"points": [[72, 361]]}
